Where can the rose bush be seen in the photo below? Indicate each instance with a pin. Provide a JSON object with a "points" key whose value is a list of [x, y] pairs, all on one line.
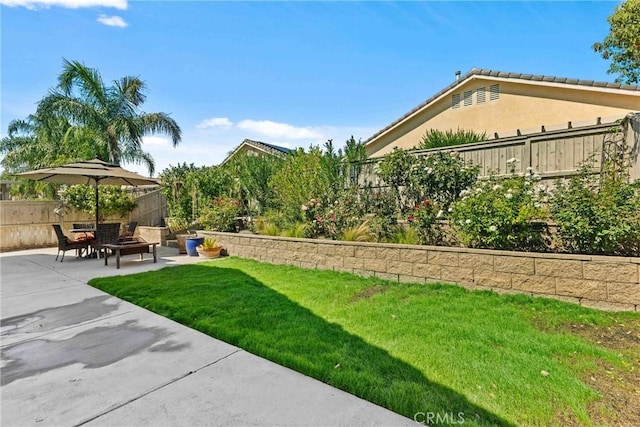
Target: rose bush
{"points": [[220, 215], [502, 213], [598, 216]]}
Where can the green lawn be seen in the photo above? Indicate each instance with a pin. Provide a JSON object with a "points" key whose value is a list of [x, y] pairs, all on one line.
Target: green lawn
{"points": [[408, 347]]}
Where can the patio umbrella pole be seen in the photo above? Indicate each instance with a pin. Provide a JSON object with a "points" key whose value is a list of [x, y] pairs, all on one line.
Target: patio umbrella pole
{"points": [[97, 208]]}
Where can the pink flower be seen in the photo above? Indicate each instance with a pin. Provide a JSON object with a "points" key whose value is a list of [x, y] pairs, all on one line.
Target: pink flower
{"points": [[304, 207], [319, 218], [411, 218], [332, 217]]}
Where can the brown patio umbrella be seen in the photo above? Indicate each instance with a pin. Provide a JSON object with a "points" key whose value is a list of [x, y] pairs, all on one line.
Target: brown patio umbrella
{"points": [[92, 172]]}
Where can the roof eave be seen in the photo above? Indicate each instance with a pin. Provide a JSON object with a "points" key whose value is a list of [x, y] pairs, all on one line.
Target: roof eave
{"points": [[476, 74]]}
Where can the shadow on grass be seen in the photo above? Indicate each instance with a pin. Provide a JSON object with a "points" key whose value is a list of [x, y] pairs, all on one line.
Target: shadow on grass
{"points": [[234, 307]]}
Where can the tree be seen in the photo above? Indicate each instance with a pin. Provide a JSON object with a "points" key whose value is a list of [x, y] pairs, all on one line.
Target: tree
{"points": [[82, 118], [303, 176], [622, 44], [253, 174], [39, 142]]}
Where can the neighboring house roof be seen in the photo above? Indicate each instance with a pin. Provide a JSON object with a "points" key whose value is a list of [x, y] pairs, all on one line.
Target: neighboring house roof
{"points": [[507, 76], [258, 147]]}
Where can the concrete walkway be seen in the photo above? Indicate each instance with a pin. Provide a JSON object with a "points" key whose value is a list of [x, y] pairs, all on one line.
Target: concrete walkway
{"points": [[73, 355]]}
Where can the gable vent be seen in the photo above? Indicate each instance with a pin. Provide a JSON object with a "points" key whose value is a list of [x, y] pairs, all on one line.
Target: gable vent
{"points": [[467, 98], [481, 95], [494, 92], [455, 101]]}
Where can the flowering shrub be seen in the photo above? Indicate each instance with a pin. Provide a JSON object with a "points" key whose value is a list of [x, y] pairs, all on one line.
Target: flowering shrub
{"points": [[220, 215], [345, 213], [598, 218], [381, 213], [424, 219], [441, 177], [501, 213], [395, 169], [313, 214]]}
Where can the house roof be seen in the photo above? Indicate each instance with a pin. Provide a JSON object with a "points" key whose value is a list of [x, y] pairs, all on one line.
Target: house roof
{"points": [[260, 146], [504, 76]]}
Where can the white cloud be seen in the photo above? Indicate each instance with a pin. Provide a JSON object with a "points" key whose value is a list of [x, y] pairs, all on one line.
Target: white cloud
{"points": [[279, 130], [209, 142], [70, 4], [156, 141], [215, 122], [112, 21]]}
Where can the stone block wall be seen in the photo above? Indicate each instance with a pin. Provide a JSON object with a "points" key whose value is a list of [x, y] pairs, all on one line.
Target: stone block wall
{"points": [[611, 283]]}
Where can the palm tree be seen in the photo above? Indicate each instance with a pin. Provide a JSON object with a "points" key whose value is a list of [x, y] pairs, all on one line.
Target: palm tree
{"points": [[108, 117]]}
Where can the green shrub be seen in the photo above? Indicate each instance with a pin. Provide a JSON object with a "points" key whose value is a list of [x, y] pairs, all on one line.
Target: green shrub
{"points": [[501, 213], [189, 188], [597, 217], [435, 138], [381, 214], [303, 176], [253, 174], [177, 224], [395, 170], [112, 200], [424, 220], [220, 215]]}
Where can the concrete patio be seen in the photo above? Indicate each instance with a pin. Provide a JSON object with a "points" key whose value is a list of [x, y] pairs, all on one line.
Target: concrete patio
{"points": [[73, 355]]}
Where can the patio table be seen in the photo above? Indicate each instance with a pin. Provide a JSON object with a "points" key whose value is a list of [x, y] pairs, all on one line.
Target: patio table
{"points": [[129, 248], [91, 252]]}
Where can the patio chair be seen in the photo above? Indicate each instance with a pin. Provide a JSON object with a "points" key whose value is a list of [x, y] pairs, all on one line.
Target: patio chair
{"points": [[128, 234], [105, 234], [65, 244]]}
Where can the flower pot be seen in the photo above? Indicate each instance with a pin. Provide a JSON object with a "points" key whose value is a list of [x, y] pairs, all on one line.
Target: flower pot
{"points": [[182, 240], [192, 243], [209, 252]]}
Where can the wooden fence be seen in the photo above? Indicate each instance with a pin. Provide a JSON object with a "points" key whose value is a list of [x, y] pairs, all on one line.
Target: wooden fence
{"points": [[552, 154], [27, 224]]}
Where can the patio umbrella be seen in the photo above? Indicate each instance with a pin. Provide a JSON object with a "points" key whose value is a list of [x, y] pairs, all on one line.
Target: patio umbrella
{"points": [[92, 172]]}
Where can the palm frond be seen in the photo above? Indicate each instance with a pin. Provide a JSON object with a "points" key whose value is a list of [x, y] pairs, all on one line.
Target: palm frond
{"points": [[162, 123], [132, 89], [87, 80]]}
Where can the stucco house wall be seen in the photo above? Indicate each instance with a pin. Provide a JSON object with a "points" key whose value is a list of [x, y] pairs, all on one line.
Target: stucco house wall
{"points": [[503, 104]]}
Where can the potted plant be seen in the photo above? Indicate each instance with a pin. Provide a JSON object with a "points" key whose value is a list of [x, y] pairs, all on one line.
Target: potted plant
{"points": [[178, 227], [209, 248]]}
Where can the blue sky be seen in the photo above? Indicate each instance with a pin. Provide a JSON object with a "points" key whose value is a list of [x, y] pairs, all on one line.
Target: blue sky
{"points": [[287, 73]]}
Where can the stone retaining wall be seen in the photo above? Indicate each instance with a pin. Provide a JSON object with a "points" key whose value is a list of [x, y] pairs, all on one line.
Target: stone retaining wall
{"points": [[611, 283]]}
